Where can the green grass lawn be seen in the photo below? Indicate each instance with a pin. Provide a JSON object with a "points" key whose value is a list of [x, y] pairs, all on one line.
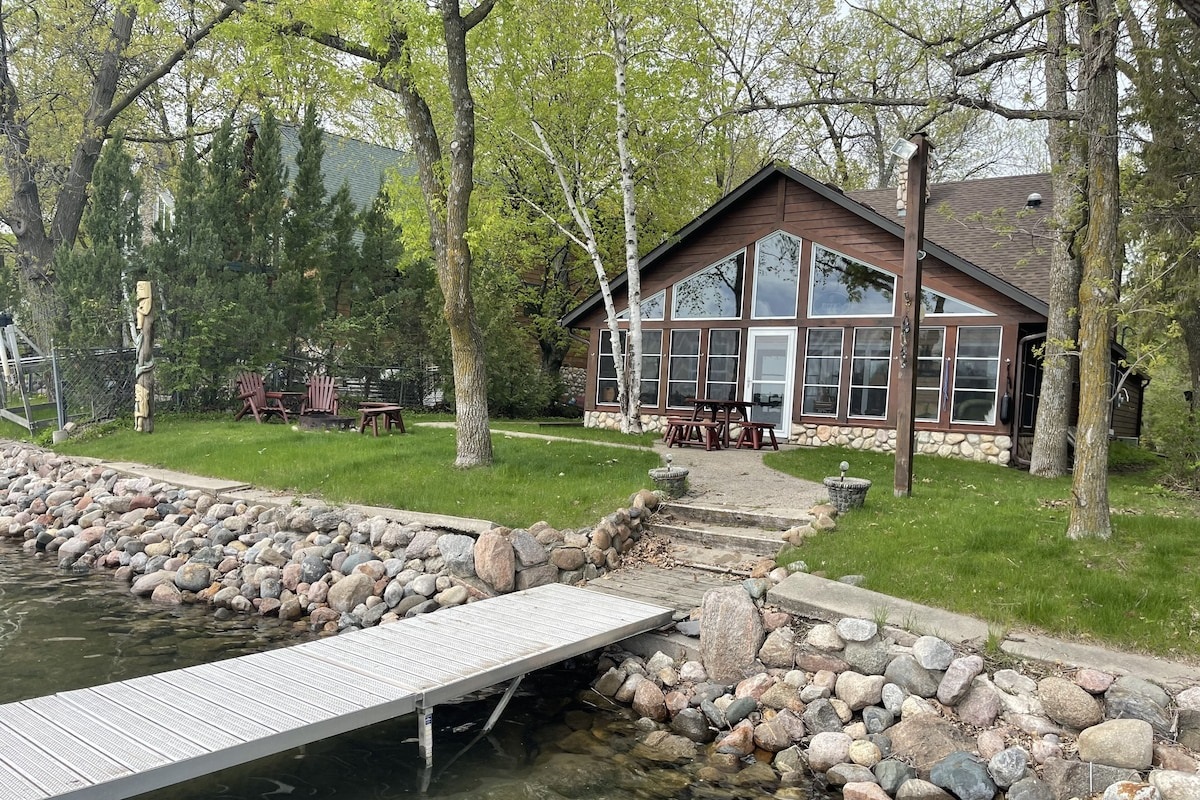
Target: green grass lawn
{"points": [[569, 484], [991, 542]]}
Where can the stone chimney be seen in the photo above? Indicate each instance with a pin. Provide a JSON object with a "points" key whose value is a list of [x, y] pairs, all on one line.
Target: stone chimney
{"points": [[901, 189]]}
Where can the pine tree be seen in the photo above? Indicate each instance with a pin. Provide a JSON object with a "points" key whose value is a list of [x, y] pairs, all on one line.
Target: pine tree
{"points": [[304, 260], [265, 198], [225, 195]]}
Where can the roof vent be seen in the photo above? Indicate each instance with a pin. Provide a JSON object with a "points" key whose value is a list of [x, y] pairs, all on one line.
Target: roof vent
{"points": [[1033, 201]]}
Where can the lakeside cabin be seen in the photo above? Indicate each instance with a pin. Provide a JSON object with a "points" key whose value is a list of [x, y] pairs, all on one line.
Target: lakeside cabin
{"points": [[786, 294]]}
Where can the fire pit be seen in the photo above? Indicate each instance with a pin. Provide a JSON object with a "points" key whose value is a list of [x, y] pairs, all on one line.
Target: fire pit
{"points": [[324, 422]]}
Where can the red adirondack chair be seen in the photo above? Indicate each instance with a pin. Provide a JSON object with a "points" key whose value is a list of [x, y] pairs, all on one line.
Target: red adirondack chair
{"points": [[257, 401], [320, 396]]}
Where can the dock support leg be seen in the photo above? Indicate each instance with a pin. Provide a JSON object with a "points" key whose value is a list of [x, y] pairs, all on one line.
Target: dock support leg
{"points": [[425, 733], [508, 695]]}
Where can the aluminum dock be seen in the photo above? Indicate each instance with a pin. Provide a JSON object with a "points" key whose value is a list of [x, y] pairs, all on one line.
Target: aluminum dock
{"points": [[113, 741]]}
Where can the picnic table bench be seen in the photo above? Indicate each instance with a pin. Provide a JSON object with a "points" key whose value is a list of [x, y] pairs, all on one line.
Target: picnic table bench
{"points": [[369, 413]]}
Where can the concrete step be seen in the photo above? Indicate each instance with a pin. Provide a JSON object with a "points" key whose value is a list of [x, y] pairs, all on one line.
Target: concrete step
{"points": [[753, 541], [732, 517]]}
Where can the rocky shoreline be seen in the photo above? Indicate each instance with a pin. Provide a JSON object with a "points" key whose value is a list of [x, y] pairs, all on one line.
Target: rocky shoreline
{"points": [[776, 701], [329, 569], [773, 702]]}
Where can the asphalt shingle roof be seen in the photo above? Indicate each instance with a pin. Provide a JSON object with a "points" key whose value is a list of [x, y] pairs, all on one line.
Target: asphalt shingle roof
{"points": [[361, 165], [986, 222]]}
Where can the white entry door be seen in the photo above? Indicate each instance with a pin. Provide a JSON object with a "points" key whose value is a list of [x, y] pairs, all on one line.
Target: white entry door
{"points": [[770, 376]]}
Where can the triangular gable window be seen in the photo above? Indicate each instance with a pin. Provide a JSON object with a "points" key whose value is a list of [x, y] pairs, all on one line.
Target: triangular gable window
{"points": [[714, 292], [936, 304], [653, 307]]}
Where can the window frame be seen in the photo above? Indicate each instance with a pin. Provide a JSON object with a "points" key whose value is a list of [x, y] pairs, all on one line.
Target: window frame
{"points": [[604, 352], [758, 252], [739, 260], [975, 311], [660, 296], [837, 387], [958, 363], [869, 387], [736, 357], [673, 358], [814, 269], [940, 358]]}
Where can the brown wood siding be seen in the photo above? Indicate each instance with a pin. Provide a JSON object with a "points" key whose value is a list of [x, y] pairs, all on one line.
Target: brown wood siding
{"points": [[1127, 409]]}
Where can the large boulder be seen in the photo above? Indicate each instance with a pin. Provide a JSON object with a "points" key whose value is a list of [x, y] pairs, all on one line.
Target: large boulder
{"points": [[495, 560], [731, 634], [351, 590]]}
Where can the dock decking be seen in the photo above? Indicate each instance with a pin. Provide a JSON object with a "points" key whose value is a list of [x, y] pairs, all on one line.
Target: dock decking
{"points": [[116, 740]]}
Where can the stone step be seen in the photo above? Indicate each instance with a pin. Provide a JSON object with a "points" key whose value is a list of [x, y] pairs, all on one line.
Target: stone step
{"points": [[732, 517], [753, 541]]}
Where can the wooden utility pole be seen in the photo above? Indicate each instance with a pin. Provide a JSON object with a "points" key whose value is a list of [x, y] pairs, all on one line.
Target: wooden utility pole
{"points": [[143, 390], [909, 315]]}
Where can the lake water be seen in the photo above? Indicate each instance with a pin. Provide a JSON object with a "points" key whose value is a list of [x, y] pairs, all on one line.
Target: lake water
{"points": [[60, 631]]}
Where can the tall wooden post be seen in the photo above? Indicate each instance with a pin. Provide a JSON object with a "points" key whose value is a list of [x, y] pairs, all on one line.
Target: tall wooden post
{"points": [[909, 315], [143, 390]]}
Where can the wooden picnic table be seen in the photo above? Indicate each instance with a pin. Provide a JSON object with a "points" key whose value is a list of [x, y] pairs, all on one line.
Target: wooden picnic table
{"points": [[369, 413], [721, 412]]}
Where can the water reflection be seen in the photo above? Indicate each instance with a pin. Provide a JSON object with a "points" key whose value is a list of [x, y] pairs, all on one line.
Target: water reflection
{"points": [[60, 631]]}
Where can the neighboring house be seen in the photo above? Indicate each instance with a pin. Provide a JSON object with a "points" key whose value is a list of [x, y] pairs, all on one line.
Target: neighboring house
{"points": [[362, 166], [786, 293]]}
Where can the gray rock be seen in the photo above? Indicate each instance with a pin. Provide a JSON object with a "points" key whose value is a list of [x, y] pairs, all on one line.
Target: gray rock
{"points": [[610, 682], [1176, 785], [541, 575], [312, 569], [932, 653], [458, 551], [1008, 766], [925, 739], [870, 657], [1031, 788], [739, 709], [422, 545], [1151, 691], [731, 635], [529, 551], [1188, 728], [193, 576], [1067, 704], [714, 715], [1118, 743], [1079, 779], [856, 630], [424, 585], [1121, 702], [779, 649], [891, 775], [964, 776], [841, 774], [877, 719], [691, 722], [790, 760], [756, 587], [893, 698], [957, 680], [905, 672], [821, 717], [423, 607], [354, 559]]}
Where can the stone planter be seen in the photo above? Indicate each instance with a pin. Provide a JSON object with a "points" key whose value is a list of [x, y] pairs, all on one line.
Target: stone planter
{"points": [[847, 493], [671, 481]]}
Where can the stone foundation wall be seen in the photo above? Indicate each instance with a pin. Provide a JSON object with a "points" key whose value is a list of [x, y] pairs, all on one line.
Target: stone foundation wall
{"points": [[611, 420], [992, 448]]}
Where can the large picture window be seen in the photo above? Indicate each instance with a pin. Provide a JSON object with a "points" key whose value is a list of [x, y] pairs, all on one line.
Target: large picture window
{"points": [[938, 304], [721, 381], [870, 372], [776, 276], [653, 307], [606, 373], [976, 375], [683, 368], [841, 286], [822, 371], [712, 293], [931, 345]]}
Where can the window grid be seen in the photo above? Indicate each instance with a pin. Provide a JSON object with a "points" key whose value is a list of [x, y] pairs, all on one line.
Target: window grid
{"points": [[721, 377], [870, 372], [683, 367], [822, 371], [606, 369], [976, 375], [931, 346]]}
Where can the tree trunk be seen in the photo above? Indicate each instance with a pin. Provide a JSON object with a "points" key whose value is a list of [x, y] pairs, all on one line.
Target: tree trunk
{"points": [[447, 202], [1051, 455], [631, 409], [1101, 271]]}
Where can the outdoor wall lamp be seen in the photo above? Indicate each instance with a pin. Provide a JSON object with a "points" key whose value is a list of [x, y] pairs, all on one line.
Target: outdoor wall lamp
{"points": [[904, 150]]}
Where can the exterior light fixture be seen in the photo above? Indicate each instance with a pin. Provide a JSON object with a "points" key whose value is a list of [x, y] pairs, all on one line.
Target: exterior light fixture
{"points": [[904, 150]]}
